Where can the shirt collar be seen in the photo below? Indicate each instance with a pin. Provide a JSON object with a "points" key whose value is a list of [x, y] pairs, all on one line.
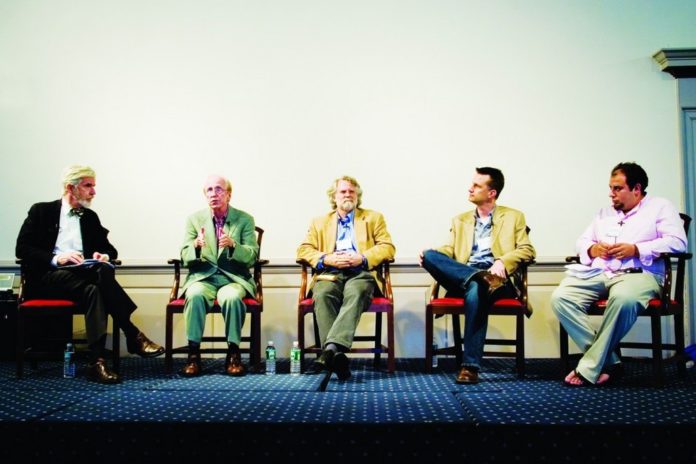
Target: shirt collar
{"points": [[347, 220]]}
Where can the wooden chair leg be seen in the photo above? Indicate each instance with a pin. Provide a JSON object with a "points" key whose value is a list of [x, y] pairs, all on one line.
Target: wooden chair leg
{"points": [[20, 344], [563, 342], [656, 326], [457, 336], [428, 339], [519, 348], [391, 355], [378, 339], [255, 343], [680, 353], [168, 341], [116, 346], [301, 335]]}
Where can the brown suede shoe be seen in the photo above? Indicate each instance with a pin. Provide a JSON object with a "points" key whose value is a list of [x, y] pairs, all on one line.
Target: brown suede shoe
{"points": [[467, 376], [493, 281], [98, 372], [234, 365], [192, 367]]}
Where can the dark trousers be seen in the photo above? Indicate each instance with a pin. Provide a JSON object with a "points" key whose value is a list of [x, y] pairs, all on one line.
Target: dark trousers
{"points": [[95, 289]]}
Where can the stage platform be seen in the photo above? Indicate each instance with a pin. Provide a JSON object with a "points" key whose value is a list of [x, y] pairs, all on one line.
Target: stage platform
{"points": [[404, 415]]}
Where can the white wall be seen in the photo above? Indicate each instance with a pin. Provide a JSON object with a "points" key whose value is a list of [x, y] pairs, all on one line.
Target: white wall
{"points": [[407, 96]]}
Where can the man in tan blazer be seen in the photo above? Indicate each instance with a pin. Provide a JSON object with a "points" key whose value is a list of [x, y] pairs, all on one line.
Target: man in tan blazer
{"points": [[486, 245], [343, 247]]}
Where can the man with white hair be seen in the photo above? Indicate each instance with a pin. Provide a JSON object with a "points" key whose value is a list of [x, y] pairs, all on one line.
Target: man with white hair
{"points": [[344, 247], [219, 248], [65, 253]]}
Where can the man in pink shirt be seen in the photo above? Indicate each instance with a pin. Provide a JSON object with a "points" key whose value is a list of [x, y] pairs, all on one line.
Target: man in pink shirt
{"points": [[619, 252]]}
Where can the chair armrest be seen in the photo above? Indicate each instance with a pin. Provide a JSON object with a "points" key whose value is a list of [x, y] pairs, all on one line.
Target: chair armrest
{"points": [[258, 278], [673, 290], [174, 292], [434, 290], [303, 278]]}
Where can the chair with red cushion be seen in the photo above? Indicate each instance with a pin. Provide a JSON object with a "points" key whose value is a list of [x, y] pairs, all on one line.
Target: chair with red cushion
{"points": [[251, 344], [670, 304], [517, 307], [30, 308], [383, 304]]}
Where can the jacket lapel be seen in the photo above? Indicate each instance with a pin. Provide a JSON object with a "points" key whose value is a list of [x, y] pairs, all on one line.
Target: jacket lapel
{"points": [[360, 228], [230, 225], [497, 221], [330, 230]]}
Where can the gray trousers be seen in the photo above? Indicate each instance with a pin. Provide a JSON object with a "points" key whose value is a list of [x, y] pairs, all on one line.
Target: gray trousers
{"points": [[338, 305], [627, 296]]}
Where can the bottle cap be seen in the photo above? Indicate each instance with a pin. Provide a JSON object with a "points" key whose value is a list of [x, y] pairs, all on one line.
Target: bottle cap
{"points": [[270, 342], [296, 343]]}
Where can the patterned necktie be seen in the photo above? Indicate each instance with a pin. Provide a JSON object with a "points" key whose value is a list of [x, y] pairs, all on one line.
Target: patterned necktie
{"points": [[76, 212]]}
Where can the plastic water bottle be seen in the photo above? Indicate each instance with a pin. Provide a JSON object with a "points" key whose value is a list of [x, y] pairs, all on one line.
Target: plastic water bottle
{"points": [[434, 364], [69, 361], [295, 362], [270, 358]]}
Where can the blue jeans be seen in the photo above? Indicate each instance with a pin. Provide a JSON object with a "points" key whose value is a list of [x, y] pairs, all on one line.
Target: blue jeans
{"points": [[457, 279]]}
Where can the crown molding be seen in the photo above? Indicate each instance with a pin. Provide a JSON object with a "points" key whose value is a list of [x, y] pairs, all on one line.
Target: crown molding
{"points": [[679, 62]]}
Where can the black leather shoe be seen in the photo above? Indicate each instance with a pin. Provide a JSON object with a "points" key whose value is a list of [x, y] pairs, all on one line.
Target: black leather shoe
{"points": [[144, 347], [323, 363], [341, 366], [98, 372]]}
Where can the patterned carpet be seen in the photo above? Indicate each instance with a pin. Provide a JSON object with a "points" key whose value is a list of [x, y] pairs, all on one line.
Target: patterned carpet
{"points": [[425, 407]]}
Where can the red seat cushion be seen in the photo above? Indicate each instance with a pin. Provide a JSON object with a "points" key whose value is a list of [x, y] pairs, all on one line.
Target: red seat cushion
{"points": [[47, 303], [508, 302], [447, 302], [653, 303]]}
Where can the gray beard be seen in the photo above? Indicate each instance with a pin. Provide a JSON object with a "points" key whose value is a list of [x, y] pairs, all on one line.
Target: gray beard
{"points": [[347, 206]]}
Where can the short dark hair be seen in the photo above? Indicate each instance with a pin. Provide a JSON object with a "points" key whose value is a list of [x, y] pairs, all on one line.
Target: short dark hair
{"points": [[497, 181], [634, 175]]}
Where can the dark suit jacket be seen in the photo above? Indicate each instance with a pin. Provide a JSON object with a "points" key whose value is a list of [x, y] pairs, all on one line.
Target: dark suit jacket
{"points": [[39, 232]]}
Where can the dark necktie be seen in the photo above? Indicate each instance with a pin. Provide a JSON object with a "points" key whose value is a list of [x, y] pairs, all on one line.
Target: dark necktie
{"points": [[76, 212]]}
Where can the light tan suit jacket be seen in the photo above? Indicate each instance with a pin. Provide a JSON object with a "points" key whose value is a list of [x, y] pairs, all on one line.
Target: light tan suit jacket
{"points": [[373, 240], [509, 239]]}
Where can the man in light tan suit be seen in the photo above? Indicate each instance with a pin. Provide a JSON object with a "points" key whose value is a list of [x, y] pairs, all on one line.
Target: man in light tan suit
{"points": [[343, 247], [485, 246]]}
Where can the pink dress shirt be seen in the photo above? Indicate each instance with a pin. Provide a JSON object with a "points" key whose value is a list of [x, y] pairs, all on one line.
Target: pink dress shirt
{"points": [[654, 226]]}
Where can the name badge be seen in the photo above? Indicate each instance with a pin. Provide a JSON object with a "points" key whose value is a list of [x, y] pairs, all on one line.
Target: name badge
{"points": [[611, 227]]}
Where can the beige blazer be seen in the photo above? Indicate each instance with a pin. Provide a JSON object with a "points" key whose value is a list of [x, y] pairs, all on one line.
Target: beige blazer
{"points": [[373, 240], [509, 239]]}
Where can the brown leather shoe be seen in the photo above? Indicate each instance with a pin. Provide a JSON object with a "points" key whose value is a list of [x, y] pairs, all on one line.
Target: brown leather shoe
{"points": [[467, 376], [234, 365], [98, 372], [144, 347], [192, 367]]}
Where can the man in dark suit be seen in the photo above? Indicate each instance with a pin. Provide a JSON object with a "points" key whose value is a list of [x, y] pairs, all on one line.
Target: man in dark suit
{"points": [[65, 253]]}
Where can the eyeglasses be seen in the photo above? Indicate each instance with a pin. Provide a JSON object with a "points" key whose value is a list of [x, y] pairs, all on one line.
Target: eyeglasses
{"points": [[217, 190]]}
